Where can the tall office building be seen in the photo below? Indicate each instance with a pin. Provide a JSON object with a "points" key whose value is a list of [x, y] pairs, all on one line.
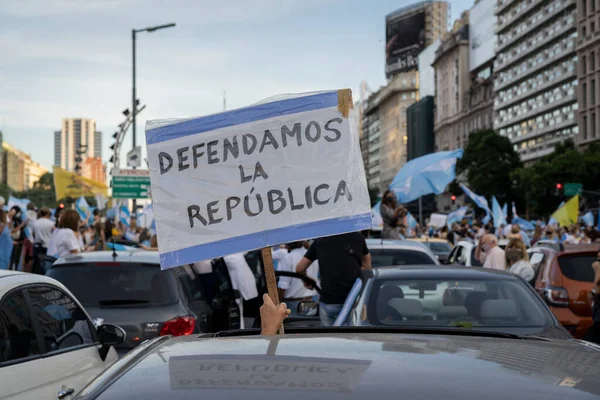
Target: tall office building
{"points": [[588, 73], [535, 102], [76, 134]]}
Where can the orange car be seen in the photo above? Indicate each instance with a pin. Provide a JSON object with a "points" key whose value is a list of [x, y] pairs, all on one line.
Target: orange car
{"points": [[564, 278]]}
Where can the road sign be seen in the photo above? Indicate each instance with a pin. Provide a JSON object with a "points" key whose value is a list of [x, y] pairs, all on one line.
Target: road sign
{"points": [[571, 189], [130, 187], [130, 172], [134, 157]]}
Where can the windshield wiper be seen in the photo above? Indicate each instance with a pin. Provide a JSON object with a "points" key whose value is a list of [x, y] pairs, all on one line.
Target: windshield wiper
{"points": [[122, 302], [379, 329]]}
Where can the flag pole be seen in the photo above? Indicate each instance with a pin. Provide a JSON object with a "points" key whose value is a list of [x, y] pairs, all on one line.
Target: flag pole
{"points": [[420, 212], [269, 271]]}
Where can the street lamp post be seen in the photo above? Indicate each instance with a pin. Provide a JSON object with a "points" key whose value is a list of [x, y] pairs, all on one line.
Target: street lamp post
{"points": [[133, 91]]}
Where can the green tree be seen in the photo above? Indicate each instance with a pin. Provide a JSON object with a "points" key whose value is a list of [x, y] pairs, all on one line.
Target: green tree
{"points": [[488, 161]]}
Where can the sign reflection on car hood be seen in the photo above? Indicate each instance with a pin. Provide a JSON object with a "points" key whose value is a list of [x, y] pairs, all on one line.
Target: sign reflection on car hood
{"points": [[264, 372]]}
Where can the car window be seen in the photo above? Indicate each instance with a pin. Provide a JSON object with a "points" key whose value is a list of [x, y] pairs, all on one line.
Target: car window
{"points": [[577, 267], [455, 302], [189, 283], [117, 284], [388, 257], [439, 247], [63, 323], [17, 337]]}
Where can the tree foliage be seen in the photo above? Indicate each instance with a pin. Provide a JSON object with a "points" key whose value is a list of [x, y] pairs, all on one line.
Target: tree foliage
{"points": [[488, 161], [537, 183]]}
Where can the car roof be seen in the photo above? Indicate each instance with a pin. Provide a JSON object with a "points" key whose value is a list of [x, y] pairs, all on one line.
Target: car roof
{"points": [[12, 279], [133, 256], [440, 271], [351, 366], [424, 240]]}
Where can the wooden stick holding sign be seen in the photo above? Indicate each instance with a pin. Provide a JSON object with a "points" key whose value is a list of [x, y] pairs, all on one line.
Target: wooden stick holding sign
{"points": [[269, 270]]}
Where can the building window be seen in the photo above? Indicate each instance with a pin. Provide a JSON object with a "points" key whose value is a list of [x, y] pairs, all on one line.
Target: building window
{"points": [[584, 128], [592, 61], [584, 95], [584, 7], [592, 27], [583, 32], [592, 5], [593, 92], [593, 125], [583, 65]]}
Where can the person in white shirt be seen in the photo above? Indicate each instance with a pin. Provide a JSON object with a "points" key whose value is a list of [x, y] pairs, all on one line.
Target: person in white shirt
{"points": [[68, 237], [489, 253], [242, 280], [292, 290], [517, 260]]}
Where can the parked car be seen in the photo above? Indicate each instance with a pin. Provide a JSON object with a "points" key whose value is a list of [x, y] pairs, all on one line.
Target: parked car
{"points": [[130, 290], [400, 252], [440, 247], [453, 296], [49, 347], [564, 279], [464, 254], [353, 363]]}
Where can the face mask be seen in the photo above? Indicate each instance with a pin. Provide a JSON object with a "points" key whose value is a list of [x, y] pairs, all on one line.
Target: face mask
{"points": [[514, 254], [486, 247]]}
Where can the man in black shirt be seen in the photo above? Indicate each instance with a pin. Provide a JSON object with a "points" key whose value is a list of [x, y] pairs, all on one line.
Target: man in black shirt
{"points": [[341, 258]]}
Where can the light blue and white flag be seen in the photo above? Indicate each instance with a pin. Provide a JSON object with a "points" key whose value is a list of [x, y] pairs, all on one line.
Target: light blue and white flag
{"points": [[125, 216], [587, 218], [499, 217], [514, 210], [100, 201], [410, 220], [145, 218], [377, 220], [523, 224], [425, 175], [457, 215], [480, 201]]}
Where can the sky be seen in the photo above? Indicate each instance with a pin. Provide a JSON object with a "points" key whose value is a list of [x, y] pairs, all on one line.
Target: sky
{"points": [[72, 58]]}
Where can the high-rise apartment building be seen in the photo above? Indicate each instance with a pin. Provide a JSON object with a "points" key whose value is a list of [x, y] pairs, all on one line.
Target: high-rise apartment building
{"points": [[451, 65], [588, 72], [384, 128], [76, 134], [535, 100]]}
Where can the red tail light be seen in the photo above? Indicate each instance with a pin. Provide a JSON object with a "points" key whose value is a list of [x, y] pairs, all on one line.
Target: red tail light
{"points": [[557, 296], [179, 326]]}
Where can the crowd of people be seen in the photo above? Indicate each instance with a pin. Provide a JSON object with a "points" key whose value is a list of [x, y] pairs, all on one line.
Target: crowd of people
{"points": [[28, 237]]}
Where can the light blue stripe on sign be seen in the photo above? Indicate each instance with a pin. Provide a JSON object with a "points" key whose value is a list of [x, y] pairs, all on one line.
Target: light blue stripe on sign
{"points": [[242, 116], [266, 238]]}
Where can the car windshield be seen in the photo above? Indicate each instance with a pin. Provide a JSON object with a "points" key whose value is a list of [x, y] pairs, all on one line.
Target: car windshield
{"points": [[455, 303], [117, 284], [577, 267], [439, 247], [389, 257]]}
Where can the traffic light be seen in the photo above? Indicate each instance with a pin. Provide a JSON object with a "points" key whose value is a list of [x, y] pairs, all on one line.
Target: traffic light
{"points": [[453, 199], [559, 186], [61, 205]]}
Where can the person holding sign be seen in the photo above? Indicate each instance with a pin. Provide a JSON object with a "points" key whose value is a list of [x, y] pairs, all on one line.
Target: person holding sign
{"points": [[392, 216], [293, 291], [341, 258]]}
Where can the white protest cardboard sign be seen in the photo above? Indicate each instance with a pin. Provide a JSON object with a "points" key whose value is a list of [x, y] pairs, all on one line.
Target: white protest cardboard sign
{"points": [[271, 173], [265, 372], [438, 220]]}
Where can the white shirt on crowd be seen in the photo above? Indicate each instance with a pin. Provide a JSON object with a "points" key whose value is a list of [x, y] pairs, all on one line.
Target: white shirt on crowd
{"points": [[523, 269], [42, 231], [242, 278], [495, 259], [66, 241], [294, 288]]}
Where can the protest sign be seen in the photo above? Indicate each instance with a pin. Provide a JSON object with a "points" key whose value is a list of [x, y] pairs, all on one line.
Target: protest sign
{"points": [[265, 372], [271, 173], [437, 220]]}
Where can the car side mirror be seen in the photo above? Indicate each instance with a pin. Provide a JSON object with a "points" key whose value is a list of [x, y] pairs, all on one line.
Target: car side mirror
{"points": [[308, 308], [110, 335]]}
